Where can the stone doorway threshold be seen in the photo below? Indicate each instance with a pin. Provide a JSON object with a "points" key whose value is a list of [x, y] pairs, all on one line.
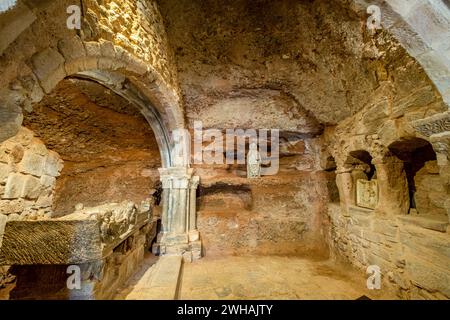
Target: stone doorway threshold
{"points": [[249, 277]]}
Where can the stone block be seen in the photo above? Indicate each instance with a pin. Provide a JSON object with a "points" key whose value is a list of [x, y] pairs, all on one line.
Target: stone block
{"points": [[5, 170], [371, 236], [44, 201], [14, 186], [72, 48], [11, 206], [53, 165], [93, 49], [32, 163], [429, 245], [3, 220], [419, 98], [47, 181], [385, 227], [31, 188], [48, 66]]}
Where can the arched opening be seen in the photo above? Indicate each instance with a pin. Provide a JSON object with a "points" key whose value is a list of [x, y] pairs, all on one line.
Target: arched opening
{"points": [[109, 151], [425, 187], [87, 151]]}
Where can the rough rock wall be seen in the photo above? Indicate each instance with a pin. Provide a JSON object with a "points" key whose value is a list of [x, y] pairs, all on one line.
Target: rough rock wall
{"points": [[280, 214], [28, 172]]}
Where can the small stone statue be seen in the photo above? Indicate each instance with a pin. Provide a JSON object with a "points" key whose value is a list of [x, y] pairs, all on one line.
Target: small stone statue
{"points": [[253, 162]]}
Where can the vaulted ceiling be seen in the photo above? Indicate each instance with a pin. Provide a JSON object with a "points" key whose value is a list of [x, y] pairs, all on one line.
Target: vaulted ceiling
{"points": [[295, 65]]}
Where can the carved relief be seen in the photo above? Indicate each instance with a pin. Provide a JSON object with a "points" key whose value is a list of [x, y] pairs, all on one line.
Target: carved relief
{"points": [[366, 193], [116, 219], [433, 125]]}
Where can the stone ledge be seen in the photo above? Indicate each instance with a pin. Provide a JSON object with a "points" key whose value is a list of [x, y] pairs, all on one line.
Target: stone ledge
{"points": [[436, 223]]}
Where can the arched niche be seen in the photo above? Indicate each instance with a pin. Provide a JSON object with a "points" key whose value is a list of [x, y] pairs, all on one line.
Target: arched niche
{"points": [[426, 188]]}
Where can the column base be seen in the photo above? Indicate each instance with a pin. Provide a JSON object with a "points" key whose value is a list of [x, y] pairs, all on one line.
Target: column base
{"points": [[187, 245]]}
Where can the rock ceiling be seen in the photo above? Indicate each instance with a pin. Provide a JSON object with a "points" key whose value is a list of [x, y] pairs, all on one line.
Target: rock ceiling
{"points": [[293, 65]]}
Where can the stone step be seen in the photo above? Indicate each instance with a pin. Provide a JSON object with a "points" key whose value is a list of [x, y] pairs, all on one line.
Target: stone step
{"points": [[161, 282]]}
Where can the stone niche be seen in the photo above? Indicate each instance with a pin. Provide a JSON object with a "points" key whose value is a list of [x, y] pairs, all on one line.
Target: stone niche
{"points": [[367, 193], [106, 242]]}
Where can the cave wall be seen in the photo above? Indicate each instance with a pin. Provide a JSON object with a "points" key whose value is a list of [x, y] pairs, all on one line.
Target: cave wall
{"points": [[279, 214]]}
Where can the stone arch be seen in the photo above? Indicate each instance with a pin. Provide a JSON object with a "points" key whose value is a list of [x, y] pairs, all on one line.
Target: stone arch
{"points": [[112, 67], [422, 27]]}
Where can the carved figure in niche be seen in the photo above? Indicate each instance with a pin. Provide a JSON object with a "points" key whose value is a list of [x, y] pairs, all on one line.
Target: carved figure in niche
{"points": [[367, 193], [253, 162]]}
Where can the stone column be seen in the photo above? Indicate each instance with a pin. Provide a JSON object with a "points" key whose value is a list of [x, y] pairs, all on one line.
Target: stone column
{"points": [[344, 183], [441, 145], [393, 186], [179, 235], [193, 232]]}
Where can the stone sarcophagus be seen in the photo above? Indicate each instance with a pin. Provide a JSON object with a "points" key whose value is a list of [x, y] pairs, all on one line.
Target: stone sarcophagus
{"points": [[106, 243], [367, 193]]}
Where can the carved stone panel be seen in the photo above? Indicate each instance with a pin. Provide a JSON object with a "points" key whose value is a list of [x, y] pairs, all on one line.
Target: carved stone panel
{"points": [[367, 193]]}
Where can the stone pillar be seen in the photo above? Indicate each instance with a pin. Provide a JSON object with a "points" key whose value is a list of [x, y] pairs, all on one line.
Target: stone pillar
{"points": [[441, 145], [179, 235], [393, 186], [344, 183]]}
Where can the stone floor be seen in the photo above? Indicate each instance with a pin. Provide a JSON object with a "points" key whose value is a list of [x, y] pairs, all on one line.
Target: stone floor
{"points": [[256, 277], [271, 277]]}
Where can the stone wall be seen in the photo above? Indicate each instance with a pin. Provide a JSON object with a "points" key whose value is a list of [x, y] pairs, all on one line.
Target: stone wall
{"points": [[413, 258], [410, 246], [28, 172], [136, 26]]}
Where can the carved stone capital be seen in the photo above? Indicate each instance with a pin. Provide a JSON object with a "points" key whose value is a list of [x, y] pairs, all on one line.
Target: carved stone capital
{"points": [[175, 177], [194, 182]]}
